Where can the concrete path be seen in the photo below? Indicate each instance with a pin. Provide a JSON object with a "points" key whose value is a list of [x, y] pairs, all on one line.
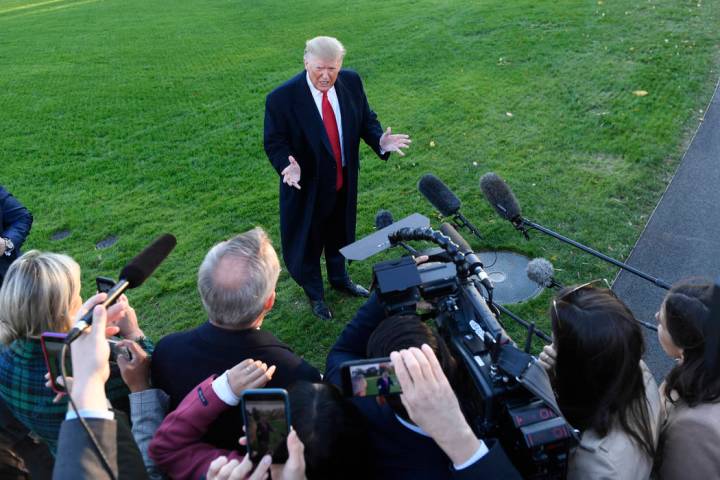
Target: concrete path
{"points": [[682, 237]]}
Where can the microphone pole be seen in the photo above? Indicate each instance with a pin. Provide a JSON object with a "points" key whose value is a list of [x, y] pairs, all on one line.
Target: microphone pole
{"points": [[525, 223], [460, 220]]}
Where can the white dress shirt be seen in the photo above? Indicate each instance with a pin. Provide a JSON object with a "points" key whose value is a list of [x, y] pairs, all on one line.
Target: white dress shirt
{"points": [[334, 103]]}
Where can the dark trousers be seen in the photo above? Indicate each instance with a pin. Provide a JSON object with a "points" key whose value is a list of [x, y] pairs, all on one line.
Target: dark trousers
{"points": [[327, 233]]}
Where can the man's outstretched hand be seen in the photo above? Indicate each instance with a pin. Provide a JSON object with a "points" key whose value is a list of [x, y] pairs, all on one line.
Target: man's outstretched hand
{"points": [[291, 173], [393, 142]]}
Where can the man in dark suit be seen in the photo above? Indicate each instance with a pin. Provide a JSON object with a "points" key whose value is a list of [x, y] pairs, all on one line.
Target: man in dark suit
{"points": [[15, 223], [313, 126], [237, 285]]}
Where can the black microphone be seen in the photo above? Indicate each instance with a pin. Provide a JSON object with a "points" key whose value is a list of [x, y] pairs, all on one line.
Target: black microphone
{"points": [[499, 195], [132, 275], [444, 201], [476, 265], [541, 271]]}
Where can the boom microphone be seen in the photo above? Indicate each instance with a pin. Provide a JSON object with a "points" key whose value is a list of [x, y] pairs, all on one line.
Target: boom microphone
{"points": [[541, 271], [132, 275], [445, 201], [439, 195], [499, 195], [383, 218], [503, 201]]}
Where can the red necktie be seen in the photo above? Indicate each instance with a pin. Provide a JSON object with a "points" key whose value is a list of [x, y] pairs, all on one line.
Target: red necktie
{"points": [[332, 132]]}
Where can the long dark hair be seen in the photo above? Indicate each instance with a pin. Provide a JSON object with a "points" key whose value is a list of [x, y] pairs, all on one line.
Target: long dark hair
{"points": [[598, 377], [687, 309]]}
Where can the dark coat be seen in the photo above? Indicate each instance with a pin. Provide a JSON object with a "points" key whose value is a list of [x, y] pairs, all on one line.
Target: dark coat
{"points": [[293, 126], [15, 223]]}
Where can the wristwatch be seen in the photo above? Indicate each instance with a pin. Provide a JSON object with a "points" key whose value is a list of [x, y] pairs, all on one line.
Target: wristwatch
{"points": [[9, 246]]}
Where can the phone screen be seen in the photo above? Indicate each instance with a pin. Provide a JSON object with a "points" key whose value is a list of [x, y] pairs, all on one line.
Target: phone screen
{"points": [[104, 284], [52, 344], [266, 419], [375, 376]]}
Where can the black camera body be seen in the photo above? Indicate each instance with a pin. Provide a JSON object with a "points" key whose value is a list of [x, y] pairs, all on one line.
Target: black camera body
{"points": [[517, 403]]}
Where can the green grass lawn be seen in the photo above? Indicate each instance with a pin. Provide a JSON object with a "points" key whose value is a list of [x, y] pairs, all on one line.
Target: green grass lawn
{"points": [[138, 117]]}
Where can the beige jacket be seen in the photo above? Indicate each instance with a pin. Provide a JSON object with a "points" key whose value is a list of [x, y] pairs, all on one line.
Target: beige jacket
{"points": [[690, 441], [616, 455]]}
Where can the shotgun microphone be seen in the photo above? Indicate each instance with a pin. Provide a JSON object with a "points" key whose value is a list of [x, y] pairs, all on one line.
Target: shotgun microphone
{"points": [[542, 272], [132, 275], [445, 201], [383, 219], [476, 265]]}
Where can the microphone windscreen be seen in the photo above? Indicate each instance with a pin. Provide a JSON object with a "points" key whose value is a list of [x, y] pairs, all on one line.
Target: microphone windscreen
{"points": [[500, 196], [383, 218], [145, 263], [455, 236], [540, 271], [437, 193]]}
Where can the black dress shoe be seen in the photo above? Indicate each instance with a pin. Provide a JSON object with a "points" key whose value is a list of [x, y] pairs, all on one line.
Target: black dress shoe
{"points": [[321, 310], [352, 288]]}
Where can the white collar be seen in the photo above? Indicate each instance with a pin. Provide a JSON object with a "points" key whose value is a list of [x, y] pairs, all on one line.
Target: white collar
{"points": [[411, 426]]}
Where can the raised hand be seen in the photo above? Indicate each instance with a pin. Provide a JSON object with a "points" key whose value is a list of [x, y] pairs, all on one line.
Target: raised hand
{"points": [[393, 142], [291, 173], [249, 374]]}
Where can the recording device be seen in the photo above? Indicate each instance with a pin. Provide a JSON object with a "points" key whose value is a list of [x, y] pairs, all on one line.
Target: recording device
{"points": [[384, 219], [517, 402], [52, 344], [378, 241], [445, 201], [501, 198], [369, 377], [104, 284], [132, 276], [266, 416], [541, 271]]}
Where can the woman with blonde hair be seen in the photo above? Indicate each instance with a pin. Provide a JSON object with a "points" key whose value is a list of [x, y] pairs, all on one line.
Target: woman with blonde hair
{"points": [[41, 293]]}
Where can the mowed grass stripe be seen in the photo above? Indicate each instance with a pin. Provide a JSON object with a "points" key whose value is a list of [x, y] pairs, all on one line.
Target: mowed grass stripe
{"points": [[138, 117]]}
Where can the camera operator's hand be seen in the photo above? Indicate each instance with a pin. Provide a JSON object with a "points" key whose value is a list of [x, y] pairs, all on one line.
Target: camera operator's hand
{"points": [[90, 359], [249, 374], [136, 372], [431, 403], [548, 358]]}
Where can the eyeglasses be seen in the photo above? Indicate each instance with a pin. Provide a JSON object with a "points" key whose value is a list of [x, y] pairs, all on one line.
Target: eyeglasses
{"points": [[566, 297]]}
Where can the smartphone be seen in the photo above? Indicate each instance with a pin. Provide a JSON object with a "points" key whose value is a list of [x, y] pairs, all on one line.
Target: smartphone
{"points": [[104, 284], [266, 415], [370, 377], [52, 344]]}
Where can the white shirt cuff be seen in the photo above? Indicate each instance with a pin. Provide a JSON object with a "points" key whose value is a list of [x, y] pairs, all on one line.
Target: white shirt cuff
{"points": [[481, 451], [221, 386], [105, 414]]}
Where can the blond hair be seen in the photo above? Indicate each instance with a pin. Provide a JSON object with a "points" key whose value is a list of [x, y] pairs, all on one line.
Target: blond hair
{"points": [[324, 48], [37, 295]]}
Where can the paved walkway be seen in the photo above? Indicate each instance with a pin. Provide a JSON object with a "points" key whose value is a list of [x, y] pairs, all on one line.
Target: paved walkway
{"points": [[682, 237]]}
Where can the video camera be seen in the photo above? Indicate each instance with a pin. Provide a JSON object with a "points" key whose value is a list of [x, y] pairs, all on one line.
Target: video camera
{"points": [[517, 403]]}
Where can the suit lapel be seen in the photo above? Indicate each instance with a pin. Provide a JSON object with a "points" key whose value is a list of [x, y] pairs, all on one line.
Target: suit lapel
{"points": [[346, 117], [307, 110]]}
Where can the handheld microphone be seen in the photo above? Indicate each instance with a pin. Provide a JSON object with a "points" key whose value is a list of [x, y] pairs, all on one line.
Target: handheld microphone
{"points": [[445, 201], [132, 275], [476, 265], [541, 271], [499, 195]]}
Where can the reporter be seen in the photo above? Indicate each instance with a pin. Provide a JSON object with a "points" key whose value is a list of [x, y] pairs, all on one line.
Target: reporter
{"points": [[690, 436], [41, 293], [603, 387], [77, 457]]}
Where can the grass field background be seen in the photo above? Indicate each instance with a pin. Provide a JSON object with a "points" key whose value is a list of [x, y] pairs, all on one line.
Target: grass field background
{"points": [[138, 117]]}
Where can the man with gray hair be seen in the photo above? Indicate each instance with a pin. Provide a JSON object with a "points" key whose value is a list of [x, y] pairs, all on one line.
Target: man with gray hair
{"points": [[313, 126], [237, 286]]}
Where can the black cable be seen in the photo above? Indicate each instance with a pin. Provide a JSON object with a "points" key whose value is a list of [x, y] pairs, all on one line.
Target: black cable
{"points": [[93, 439]]}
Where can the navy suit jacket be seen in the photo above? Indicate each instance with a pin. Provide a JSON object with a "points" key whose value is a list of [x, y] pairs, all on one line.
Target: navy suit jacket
{"points": [[15, 223], [182, 360], [400, 453], [293, 126]]}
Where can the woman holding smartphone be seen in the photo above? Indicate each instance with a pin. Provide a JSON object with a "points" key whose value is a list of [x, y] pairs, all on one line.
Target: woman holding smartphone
{"points": [[690, 438], [41, 293]]}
